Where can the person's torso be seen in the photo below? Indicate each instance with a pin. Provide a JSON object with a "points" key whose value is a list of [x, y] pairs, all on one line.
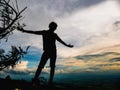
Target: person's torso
{"points": [[49, 40]]}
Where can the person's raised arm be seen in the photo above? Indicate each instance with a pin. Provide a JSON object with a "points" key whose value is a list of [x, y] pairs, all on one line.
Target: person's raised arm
{"points": [[61, 41], [30, 31]]}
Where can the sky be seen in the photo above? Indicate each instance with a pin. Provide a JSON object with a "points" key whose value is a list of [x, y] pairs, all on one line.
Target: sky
{"points": [[92, 26]]}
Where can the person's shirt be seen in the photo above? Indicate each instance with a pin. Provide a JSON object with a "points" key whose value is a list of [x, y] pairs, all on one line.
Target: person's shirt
{"points": [[49, 40]]}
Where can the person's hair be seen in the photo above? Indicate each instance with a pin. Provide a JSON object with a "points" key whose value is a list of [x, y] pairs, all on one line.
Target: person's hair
{"points": [[52, 24]]}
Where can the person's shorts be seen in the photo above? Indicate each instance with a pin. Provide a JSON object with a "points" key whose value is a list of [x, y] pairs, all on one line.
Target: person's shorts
{"points": [[46, 56]]}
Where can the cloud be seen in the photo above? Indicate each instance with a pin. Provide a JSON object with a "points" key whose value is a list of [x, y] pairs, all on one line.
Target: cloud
{"points": [[90, 27], [87, 24], [84, 27], [62, 7], [69, 6], [99, 61], [19, 72], [115, 59], [87, 57], [21, 66]]}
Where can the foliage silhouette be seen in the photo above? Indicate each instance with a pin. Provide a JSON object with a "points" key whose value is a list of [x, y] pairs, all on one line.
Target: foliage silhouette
{"points": [[13, 57], [10, 16]]}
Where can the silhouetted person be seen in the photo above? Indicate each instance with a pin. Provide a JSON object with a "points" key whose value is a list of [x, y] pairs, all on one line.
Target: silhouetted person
{"points": [[49, 47]]}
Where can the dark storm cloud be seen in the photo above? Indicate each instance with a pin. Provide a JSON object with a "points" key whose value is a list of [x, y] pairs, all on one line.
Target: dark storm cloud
{"points": [[115, 59], [70, 4], [63, 6], [87, 57], [110, 64]]}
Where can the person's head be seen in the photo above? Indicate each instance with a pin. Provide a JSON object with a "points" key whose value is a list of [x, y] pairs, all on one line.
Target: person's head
{"points": [[52, 26]]}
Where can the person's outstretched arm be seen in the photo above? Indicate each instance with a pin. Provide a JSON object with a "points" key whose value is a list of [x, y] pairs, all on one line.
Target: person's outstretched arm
{"points": [[61, 41], [30, 31]]}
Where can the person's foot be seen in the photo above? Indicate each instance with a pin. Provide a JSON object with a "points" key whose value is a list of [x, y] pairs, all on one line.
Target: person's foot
{"points": [[50, 83], [35, 82]]}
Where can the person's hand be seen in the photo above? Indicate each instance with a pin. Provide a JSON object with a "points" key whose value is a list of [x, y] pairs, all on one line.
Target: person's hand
{"points": [[20, 29], [69, 45]]}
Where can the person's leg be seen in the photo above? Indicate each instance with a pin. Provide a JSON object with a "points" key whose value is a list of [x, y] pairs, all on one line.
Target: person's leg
{"points": [[52, 67], [52, 71], [43, 61]]}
